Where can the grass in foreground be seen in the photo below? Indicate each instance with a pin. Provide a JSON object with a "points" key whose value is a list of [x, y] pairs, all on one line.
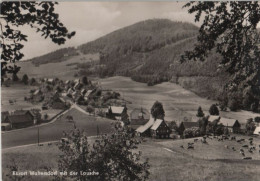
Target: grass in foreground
{"points": [[165, 165]]}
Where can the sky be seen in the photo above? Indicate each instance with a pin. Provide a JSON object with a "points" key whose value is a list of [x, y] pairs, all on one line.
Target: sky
{"points": [[92, 20]]}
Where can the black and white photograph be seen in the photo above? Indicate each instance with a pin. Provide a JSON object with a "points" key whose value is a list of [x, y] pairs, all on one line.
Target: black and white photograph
{"points": [[130, 90]]}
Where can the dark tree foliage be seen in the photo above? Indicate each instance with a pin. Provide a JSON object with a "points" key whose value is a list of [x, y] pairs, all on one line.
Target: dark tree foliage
{"points": [[39, 16], [200, 112], [203, 123], [112, 156], [250, 126], [25, 79], [230, 28], [157, 110], [213, 110]]}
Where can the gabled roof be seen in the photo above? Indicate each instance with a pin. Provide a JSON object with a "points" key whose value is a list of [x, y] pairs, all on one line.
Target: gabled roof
{"points": [[213, 118], [140, 113], [19, 118], [88, 93], [116, 110], [157, 123], [227, 122], [38, 91], [145, 127], [188, 124], [257, 130]]}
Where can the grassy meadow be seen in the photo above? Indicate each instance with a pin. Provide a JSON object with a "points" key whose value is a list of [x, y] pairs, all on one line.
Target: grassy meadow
{"points": [[165, 165]]}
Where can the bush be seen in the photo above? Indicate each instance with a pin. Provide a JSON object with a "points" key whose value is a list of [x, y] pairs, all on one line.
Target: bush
{"points": [[191, 132]]}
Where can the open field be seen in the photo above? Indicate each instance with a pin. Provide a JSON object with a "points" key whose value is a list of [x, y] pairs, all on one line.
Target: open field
{"points": [[54, 131], [61, 70], [16, 92], [165, 165], [177, 102]]}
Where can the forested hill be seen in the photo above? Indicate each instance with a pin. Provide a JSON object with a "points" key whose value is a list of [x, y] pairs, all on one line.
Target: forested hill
{"points": [[144, 36], [150, 52]]}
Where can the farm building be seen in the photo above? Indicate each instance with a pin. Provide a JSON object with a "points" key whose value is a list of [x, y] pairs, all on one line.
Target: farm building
{"points": [[232, 124], [139, 117], [19, 119], [186, 125], [5, 126], [4, 115], [160, 129], [118, 113], [144, 130], [59, 103], [257, 130]]}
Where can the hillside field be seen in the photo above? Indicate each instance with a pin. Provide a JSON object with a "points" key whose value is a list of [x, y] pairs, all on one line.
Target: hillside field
{"points": [[177, 102]]}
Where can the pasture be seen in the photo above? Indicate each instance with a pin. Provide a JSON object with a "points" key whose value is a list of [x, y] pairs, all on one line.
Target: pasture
{"points": [[165, 165], [16, 93], [177, 102], [214, 149]]}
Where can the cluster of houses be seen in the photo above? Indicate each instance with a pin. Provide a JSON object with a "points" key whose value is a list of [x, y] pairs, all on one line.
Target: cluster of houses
{"points": [[56, 91]]}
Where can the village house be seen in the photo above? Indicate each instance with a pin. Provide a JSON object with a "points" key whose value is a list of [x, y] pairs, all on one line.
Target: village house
{"points": [[59, 103], [117, 113], [20, 119], [160, 129], [37, 95], [187, 124], [138, 117], [50, 81], [232, 124], [87, 94], [144, 130], [156, 128], [5, 126]]}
